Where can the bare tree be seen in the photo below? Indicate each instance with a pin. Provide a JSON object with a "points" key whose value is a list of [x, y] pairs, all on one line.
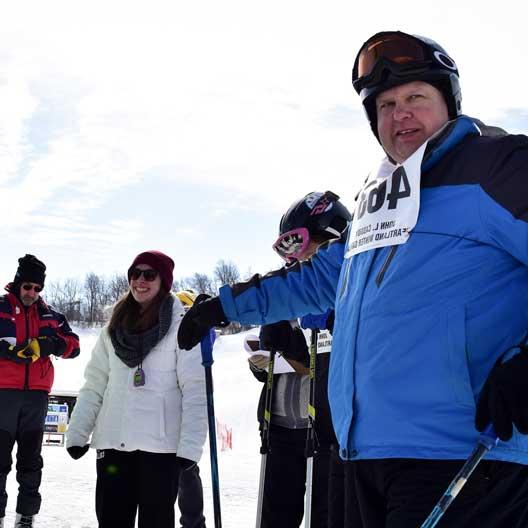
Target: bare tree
{"points": [[226, 273], [117, 286], [66, 297], [54, 295], [72, 299], [94, 293], [182, 284], [202, 283]]}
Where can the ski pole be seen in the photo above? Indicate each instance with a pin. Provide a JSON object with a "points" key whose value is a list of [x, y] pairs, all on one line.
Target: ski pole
{"points": [[265, 443], [206, 346], [310, 449], [487, 441]]}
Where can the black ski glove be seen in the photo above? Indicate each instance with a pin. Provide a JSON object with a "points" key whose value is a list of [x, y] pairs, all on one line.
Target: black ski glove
{"points": [[77, 452], [51, 345], [185, 464], [284, 338], [25, 353], [205, 313], [503, 400]]}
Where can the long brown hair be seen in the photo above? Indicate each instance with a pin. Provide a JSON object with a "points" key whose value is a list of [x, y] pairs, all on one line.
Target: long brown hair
{"points": [[128, 315]]}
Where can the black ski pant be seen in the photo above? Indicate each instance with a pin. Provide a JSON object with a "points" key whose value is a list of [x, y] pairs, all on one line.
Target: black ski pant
{"points": [[136, 481], [401, 493], [343, 507], [285, 481], [22, 416], [190, 498]]}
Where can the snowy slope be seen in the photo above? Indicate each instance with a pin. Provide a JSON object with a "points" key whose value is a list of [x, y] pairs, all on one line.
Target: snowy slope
{"points": [[68, 485]]}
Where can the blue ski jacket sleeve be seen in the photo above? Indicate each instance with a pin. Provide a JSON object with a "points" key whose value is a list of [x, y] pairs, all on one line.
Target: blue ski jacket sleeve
{"points": [[288, 293]]}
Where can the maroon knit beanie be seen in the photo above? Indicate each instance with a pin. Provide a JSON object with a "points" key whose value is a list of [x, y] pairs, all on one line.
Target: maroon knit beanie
{"points": [[157, 260]]}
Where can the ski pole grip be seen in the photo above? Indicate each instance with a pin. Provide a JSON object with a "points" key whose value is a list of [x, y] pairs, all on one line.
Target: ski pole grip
{"points": [[488, 438], [206, 346]]}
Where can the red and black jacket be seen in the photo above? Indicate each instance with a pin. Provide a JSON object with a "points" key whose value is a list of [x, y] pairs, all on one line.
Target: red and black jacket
{"points": [[23, 323]]}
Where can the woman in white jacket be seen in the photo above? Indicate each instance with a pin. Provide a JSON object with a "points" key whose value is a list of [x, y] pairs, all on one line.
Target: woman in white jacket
{"points": [[143, 403]]}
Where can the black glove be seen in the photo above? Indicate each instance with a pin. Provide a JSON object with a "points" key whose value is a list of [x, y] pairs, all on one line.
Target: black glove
{"points": [[77, 452], [185, 463], [283, 338], [4, 349], [503, 400], [25, 353], [205, 313], [51, 345]]}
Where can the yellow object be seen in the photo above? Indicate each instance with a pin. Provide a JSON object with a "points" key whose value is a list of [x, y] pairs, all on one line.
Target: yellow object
{"points": [[33, 347], [187, 297]]}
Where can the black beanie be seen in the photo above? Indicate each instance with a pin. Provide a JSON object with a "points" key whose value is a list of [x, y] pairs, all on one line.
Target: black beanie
{"points": [[30, 269]]}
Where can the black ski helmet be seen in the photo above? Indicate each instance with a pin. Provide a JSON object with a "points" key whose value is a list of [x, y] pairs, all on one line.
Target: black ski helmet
{"points": [[392, 58], [321, 213]]}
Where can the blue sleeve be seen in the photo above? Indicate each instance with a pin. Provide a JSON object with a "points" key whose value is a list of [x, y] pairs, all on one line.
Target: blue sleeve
{"points": [[315, 321], [288, 293]]}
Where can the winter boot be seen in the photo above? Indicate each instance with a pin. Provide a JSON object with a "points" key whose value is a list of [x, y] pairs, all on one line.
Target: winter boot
{"points": [[24, 521]]}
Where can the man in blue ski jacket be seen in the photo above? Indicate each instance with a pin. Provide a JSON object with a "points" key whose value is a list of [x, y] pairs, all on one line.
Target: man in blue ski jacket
{"points": [[430, 290]]}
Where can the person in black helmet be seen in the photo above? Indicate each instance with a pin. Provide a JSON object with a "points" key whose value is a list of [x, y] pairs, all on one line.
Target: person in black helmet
{"points": [[430, 293], [309, 222]]}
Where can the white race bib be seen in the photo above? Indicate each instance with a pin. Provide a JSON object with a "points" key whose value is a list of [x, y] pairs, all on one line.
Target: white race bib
{"points": [[388, 205], [324, 342]]}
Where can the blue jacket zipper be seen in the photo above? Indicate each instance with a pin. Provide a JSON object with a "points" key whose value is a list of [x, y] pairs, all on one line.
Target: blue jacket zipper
{"points": [[385, 267]]}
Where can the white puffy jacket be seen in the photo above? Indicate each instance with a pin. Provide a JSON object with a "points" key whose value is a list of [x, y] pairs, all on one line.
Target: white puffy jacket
{"points": [[166, 415]]}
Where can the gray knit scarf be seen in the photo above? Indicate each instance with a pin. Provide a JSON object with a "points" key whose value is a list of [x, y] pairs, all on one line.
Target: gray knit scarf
{"points": [[132, 349]]}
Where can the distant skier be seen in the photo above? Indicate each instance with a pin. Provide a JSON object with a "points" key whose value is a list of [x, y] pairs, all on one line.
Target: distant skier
{"points": [[143, 403], [30, 332], [431, 299]]}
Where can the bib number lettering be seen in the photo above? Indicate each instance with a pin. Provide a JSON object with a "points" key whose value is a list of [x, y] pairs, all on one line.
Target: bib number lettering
{"points": [[371, 200]]}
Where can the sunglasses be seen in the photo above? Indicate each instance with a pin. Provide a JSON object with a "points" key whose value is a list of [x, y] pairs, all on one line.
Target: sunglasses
{"points": [[29, 287], [149, 274], [292, 245], [398, 52]]}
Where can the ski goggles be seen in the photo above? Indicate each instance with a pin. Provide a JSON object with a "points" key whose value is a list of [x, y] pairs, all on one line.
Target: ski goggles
{"points": [[292, 245], [148, 274], [398, 52]]}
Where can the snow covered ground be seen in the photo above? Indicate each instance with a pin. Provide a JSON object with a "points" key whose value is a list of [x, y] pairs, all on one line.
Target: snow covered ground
{"points": [[68, 486]]}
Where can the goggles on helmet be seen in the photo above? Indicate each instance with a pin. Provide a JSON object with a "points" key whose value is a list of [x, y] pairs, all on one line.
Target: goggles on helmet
{"points": [[292, 245], [399, 53]]}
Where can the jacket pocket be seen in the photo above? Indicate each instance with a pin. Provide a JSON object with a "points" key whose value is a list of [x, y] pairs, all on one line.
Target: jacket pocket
{"points": [[171, 414], [458, 358]]}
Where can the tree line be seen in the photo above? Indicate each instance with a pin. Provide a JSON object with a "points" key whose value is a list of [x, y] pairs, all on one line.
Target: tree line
{"points": [[90, 301]]}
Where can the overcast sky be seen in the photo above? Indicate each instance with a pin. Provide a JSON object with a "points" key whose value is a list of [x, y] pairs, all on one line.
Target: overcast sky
{"points": [[191, 126]]}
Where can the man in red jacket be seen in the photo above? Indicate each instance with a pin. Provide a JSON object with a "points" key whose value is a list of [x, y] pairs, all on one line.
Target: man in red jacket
{"points": [[30, 331]]}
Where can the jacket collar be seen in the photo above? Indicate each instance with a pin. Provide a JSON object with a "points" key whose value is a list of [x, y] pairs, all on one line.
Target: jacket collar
{"points": [[447, 138]]}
